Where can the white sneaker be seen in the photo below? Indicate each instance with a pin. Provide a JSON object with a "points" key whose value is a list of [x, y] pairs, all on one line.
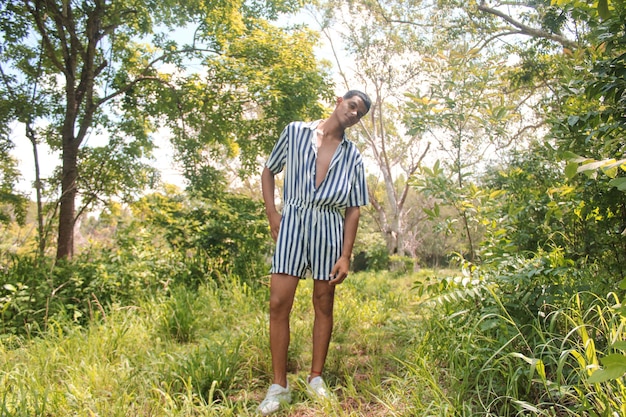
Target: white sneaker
{"points": [[317, 387], [276, 396]]}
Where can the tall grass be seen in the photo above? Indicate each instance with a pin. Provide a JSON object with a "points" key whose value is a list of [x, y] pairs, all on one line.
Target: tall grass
{"points": [[497, 364], [205, 353]]}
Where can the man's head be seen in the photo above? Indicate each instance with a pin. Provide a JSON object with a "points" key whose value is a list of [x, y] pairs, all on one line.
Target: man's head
{"points": [[351, 108], [356, 93]]}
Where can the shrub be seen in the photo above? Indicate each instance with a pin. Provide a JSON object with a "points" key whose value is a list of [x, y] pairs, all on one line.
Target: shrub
{"points": [[375, 258], [209, 371], [179, 320]]}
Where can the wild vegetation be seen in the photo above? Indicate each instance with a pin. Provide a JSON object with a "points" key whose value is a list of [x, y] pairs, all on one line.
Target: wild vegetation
{"points": [[489, 271]]}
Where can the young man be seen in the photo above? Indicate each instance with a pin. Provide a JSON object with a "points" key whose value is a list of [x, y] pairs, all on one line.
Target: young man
{"points": [[324, 186]]}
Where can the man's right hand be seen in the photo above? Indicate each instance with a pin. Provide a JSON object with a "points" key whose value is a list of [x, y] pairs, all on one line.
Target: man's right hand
{"points": [[274, 219]]}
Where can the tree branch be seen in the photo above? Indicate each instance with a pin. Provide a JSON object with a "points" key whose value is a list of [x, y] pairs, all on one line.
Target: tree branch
{"points": [[36, 14], [527, 30], [401, 21], [410, 173]]}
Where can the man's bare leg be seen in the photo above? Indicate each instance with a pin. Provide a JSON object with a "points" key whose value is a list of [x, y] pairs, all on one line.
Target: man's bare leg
{"points": [[282, 292], [323, 302]]}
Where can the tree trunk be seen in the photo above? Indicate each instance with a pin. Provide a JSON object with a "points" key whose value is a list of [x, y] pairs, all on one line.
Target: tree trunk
{"points": [[67, 210], [30, 133]]}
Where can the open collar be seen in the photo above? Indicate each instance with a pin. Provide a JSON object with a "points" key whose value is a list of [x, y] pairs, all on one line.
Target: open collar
{"points": [[313, 125]]}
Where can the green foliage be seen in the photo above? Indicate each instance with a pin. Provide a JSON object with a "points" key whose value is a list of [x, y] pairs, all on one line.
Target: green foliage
{"points": [[13, 205], [172, 242], [209, 371], [179, 320], [375, 258], [467, 350], [540, 210], [119, 366], [118, 71], [26, 287], [525, 205], [589, 135], [524, 335], [222, 235], [36, 290], [473, 206], [532, 211], [125, 364]]}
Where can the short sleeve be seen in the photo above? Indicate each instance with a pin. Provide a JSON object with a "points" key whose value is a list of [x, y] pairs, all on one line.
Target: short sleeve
{"points": [[278, 157], [358, 193]]}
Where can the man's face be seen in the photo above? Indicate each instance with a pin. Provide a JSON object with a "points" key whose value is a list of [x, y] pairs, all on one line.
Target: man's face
{"points": [[350, 110]]}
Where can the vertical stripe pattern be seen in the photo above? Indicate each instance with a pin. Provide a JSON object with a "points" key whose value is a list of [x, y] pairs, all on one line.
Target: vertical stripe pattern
{"points": [[311, 229]]}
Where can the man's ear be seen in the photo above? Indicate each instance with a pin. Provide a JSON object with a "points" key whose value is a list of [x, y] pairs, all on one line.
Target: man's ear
{"points": [[339, 100]]}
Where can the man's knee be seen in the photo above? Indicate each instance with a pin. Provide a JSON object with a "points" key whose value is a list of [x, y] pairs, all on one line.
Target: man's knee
{"points": [[282, 293], [323, 302], [280, 305]]}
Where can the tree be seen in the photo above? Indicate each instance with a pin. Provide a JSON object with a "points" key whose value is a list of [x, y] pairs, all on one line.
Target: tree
{"points": [[576, 48], [12, 204], [589, 134], [466, 108], [385, 62], [108, 70], [571, 59], [446, 87]]}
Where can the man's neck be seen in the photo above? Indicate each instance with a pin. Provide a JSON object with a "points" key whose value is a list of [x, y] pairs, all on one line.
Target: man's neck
{"points": [[330, 129]]}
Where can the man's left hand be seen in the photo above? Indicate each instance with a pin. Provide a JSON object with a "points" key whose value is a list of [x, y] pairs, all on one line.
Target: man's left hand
{"points": [[340, 271]]}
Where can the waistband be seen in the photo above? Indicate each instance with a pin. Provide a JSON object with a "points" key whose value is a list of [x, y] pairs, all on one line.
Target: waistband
{"points": [[312, 206]]}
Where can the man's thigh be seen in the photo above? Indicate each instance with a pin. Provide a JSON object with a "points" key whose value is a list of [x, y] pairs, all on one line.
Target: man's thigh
{"points": [[283, 288]]}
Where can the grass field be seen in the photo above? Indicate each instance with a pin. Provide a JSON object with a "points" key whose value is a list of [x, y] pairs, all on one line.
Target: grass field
{"points": [[206, 354]]}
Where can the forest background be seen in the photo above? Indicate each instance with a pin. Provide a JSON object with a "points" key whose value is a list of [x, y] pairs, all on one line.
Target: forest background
{"points": [[492, 254]]}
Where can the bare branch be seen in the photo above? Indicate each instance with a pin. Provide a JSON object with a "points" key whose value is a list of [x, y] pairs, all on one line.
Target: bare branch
{"points": [[412, 171], [499, 35], [41, 27], [401, 21], [527, 30]]}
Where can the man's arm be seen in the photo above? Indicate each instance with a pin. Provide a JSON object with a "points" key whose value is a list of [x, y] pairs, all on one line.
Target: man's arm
{"points": [[268, 188], [342, 266]]}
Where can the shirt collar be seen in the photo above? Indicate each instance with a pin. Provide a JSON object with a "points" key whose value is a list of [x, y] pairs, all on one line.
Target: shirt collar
{"points": [[313, 125]]}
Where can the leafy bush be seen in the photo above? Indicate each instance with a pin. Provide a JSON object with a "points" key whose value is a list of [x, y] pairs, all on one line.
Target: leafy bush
{"points": [[375, 258], [179, 320], [209, 371], [523, 336], [212, 238], [36, 289]]}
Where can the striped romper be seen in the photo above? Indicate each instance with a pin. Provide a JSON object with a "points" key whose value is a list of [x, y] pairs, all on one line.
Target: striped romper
{"points": [[311, 228]]}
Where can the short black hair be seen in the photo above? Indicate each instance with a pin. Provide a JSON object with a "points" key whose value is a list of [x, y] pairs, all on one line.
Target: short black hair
{"points": [[366, 99]]}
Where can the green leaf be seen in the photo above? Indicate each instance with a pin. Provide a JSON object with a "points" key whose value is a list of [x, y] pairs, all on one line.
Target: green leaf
{"points": [[571, 170], [603, 375], [619, 183], [614, 359], [541, 369], [591, 166], [603, 9], [614, 367], [429, 212], [610, 172], [572, 157], [619, 345], [572, 120]]}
